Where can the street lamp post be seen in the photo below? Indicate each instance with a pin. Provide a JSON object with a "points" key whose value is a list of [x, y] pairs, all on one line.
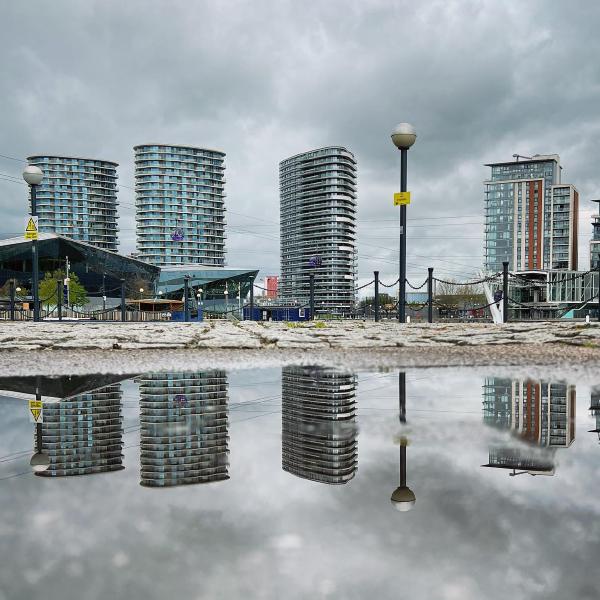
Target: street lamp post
{"points": [[103, 291], [33, 177], [403, 136]]}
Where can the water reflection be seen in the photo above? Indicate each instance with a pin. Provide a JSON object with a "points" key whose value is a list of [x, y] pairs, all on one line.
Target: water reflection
{"points": [[403, 498], [319, 424], [184, 428], [539, 414], [83, 434]]}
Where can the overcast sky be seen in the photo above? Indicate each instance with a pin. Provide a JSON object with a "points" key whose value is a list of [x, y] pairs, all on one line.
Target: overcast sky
{"points": [[265, 80]]}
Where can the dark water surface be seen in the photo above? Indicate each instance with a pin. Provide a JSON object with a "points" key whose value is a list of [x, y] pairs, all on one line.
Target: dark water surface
{"points": [[301, 482]]}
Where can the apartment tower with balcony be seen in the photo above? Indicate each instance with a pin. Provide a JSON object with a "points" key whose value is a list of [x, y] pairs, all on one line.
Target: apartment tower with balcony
{"points": [[318, 228], [531, 217], [78, 199], [180, 205]]}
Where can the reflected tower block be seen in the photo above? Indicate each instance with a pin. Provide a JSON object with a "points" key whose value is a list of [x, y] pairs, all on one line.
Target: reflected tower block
{"points": [[83, 434], [184, 428], [319, 424], [540, 414]]}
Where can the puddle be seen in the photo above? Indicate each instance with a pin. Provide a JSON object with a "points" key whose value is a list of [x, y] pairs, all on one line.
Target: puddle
{"points": [[300, 482]]}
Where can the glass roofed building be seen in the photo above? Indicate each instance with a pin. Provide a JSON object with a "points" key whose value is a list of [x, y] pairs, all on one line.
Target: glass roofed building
{"points": [[78, 199], [97, 269]]}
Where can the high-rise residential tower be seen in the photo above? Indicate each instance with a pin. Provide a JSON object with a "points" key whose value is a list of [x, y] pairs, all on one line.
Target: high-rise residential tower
{"points": [[318, 228], [530, 216], [78, 199], [180, 205]]}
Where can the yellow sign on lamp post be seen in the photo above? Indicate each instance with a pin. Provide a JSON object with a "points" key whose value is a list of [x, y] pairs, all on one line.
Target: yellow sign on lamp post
{"points": [[401, 198]]}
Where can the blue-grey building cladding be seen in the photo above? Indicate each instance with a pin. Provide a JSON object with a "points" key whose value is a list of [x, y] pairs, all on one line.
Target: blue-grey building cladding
{"points": [[180, 205], [78, 199], [318, 228]]}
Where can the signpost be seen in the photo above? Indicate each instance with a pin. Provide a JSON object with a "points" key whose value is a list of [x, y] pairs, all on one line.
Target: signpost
{"points": [[36, 411], [31, 228], [401, 198]]}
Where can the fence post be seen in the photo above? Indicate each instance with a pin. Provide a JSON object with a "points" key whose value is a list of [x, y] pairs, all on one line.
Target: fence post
{"points": [[376, 273], [505, 291], [186, 290], [312, 296], [12, 299], [252, 300], [123, 309], [430, 295], [59, 293]]}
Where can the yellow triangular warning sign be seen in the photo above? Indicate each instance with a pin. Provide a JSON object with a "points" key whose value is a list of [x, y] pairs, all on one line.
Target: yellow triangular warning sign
{"points": [[36, 413], [31, 226]]}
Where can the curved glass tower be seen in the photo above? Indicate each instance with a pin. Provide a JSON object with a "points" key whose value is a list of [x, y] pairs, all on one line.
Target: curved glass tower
{"points": [[180, 205], [78, 199], [318, 228]]}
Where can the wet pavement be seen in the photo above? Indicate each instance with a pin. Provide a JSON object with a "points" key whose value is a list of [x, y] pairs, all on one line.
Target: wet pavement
{"points": [[302, 481]]}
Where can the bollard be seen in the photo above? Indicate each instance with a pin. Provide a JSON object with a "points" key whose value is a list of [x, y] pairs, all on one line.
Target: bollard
{"points": [[12, 299], [186, 307], [59, 291], [123, 309], [312, 296], [252, 300], [430, 295], [505, 291], [376, 273]]}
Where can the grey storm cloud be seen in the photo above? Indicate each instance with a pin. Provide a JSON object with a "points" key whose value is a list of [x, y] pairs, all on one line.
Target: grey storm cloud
{"points": [[261, 80]]}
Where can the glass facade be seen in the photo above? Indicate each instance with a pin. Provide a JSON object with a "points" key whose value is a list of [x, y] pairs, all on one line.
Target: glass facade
{"points": [[530, 217], [318, 228], [319, 424], [97, 269], [595, 243], [184, 428], [78, 199], [180, 205]]}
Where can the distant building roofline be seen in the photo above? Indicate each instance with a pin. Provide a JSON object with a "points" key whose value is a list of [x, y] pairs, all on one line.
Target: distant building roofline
{"points": [[536, 158], [61, 156], [317, 150], [179, 146]]}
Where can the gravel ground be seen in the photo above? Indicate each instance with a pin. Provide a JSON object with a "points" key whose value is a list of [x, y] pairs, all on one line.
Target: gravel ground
{"points": [[84, 347]]}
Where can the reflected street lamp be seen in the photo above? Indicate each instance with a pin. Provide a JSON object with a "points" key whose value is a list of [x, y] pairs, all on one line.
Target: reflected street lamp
{"points": [[403, 498], [403, 136], [33, 177]]}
